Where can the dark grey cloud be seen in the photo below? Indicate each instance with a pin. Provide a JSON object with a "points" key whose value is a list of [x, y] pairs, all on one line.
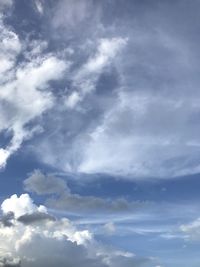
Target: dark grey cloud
{"points": [[44, 184], [9, 262], [63, 199], [35, 217], [6, 219]]}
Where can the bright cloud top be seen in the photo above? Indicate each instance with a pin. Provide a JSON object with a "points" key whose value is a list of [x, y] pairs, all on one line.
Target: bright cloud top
{"points": [[52, 242]]}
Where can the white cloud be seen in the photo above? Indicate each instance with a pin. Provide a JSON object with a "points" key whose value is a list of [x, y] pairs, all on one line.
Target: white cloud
{"points": [[109, 228], [39, 6], [20, 205], [54, 243], [72, 100], [191, 230], [10, 47], [24, 93], [137, 129], [85, 79]]}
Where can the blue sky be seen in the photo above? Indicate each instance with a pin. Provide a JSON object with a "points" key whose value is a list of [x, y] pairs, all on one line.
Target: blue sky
{"points": [[99, 133]]}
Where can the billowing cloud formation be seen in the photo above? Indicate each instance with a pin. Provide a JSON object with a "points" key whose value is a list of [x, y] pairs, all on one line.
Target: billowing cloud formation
{"points": [[20, 205], [53, 242]]}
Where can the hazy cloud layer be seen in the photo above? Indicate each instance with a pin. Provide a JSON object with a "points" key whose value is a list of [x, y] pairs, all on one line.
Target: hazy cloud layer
{"points": [[124, 100], [130, 104]]}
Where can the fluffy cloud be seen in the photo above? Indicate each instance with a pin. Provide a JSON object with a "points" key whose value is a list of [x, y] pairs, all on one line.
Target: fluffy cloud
{"points": [[20, 205], [53, 242], [24, 94]]}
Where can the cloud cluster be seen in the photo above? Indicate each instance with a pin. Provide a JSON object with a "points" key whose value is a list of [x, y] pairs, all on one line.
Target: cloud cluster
{"points": [[40, 242]]}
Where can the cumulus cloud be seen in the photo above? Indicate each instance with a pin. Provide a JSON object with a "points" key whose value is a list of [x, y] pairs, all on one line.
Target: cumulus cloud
{"points": [[60, 243], [20, 205]]}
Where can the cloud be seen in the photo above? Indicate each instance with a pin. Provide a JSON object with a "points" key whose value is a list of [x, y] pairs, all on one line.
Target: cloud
{"points": [[86, 78], [69, 14], [144, 125], [109, 228], [129, 104], [61, 198], [20, 205], [10, 49], [35, 217], [21, 83], [191, 230], [42, 184], [7, 219], [9, 261], [39, 6], [60, 243], [5, 4]]}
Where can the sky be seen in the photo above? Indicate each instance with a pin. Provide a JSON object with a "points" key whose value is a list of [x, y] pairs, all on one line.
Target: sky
{"points": [[99, 133]]}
